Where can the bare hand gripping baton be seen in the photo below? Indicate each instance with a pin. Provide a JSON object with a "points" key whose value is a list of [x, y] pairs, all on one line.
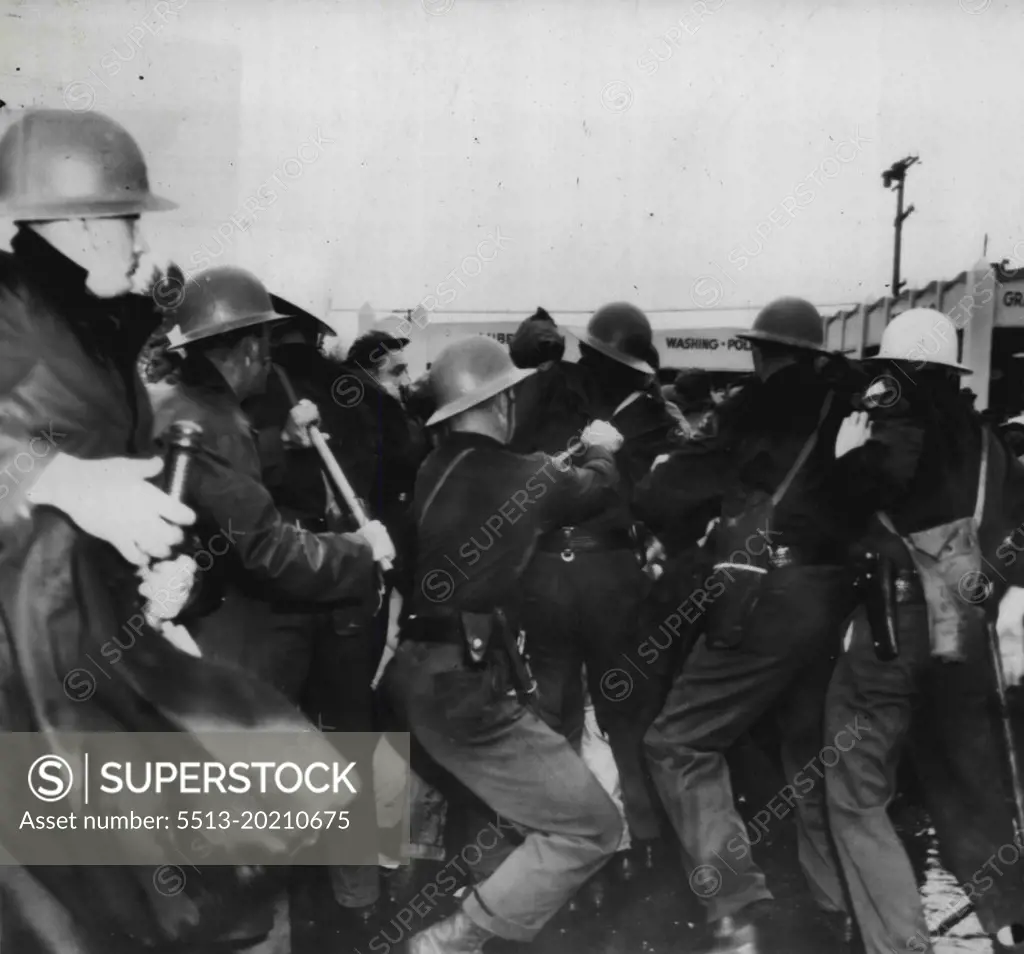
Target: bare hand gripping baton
{"points": [[331, 466]]}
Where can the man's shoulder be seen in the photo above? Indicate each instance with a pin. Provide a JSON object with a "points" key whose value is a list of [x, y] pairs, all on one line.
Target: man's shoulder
{"points": [[490, 458], [220, 419], [21, 313]]}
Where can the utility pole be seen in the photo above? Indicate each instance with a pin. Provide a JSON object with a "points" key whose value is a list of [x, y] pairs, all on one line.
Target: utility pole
{"points": [[897, 173]]}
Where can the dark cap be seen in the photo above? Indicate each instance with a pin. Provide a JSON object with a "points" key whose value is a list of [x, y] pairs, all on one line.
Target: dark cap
{"points": [[368, 349]]}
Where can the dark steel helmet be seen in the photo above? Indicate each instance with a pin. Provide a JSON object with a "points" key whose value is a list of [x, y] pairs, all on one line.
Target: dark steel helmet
{"points": [[303, 320], [469, 372], [622, 332], [219, 301], [792, 322], [60, 164]]}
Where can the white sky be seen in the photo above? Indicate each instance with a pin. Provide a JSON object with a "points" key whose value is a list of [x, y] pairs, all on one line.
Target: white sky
{"points": [[451, 119]]}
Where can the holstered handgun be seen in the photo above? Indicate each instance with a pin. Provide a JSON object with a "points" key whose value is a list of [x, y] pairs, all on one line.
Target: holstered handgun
{"points": [[479, 629], [877, 584]]}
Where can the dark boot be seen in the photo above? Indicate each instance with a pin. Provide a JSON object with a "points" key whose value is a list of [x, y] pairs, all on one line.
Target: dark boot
{"points": [[596, 893], [402, 883], [636, 863], [456, 934]]}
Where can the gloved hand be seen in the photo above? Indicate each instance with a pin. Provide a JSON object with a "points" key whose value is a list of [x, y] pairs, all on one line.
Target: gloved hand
{"points": [[300, 418], [112, 500], [602, 434], [166, 585], [854, 432], [376, 534], [1010, 629]]}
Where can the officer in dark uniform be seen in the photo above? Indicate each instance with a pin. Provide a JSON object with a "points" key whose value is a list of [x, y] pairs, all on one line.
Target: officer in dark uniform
{"points": [[336, 647], [268, 563], [81, 519], [771, 615], [923, 679], [458, 677], [585, 587], [292, 473]]}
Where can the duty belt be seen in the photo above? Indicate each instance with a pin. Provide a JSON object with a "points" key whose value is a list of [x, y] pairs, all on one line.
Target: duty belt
{"points": [[474, 632], [570, 540], [434, 629]]}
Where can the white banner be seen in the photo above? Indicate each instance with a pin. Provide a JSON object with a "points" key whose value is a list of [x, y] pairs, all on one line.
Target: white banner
{"points": [[712, 349]]}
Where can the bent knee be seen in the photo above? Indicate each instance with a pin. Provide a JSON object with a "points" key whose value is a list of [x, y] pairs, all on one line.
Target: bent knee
{"points": [[610, 831], [605, 826]]}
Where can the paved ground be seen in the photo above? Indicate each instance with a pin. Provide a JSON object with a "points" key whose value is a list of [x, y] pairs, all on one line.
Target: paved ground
{"points": [[661, 915]]}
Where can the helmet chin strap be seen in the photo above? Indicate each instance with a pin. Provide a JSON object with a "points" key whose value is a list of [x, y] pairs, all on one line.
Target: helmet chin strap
{"points": [[510, 416]]}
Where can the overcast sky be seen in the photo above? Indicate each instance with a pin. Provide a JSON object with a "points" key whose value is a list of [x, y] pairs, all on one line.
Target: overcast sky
{"points": [[679, 155]]}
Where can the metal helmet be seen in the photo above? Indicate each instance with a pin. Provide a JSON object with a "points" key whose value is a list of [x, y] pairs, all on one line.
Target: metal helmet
{"points": [[60, 164], [218, 302], [303, 320], [622, 332], [469, 372], [921, 335], [792, 322]]}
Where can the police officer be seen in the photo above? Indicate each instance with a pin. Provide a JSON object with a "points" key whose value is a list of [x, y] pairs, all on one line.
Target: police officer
{"points": [[585, 587], [80, 520], [335, 647], [457, 671], [292, 471], [223, 329], [946, 486], [771, 616]]}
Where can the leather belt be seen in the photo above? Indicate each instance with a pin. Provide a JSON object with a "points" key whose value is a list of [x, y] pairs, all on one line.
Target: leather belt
{"points": [[433, 629], [569, 541]]}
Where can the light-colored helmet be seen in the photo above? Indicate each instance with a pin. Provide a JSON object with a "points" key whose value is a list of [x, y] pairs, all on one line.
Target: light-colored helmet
{"points": [[921, 336], [60, 164]]}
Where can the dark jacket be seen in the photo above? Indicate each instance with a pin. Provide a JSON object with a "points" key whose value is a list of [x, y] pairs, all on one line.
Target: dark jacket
{"points": [[380, 447], [921, 467], [68, 661], [294, 475], [482, 526], [269, 562], [561, 399], [761, 433]]}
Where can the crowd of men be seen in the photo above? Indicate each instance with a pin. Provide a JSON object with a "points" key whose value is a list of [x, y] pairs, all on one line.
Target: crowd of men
{"points": [[829, 547]]}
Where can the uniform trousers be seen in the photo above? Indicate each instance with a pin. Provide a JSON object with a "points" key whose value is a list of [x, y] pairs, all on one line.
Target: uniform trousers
{"points": [[587, 612], [943, 715], [468, 722], [782, 666]]}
